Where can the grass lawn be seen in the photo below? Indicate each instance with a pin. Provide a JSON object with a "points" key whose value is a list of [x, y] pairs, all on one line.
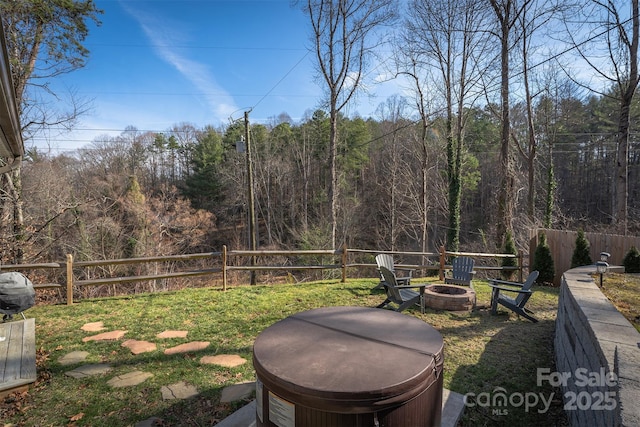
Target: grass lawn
{"points": [[623, 290], [484, 354]]}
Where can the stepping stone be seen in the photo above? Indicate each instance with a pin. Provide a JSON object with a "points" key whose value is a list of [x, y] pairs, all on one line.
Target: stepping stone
{"points": [[173, 334], [73, 357], [93, 327], [105, 336], [226, 360], [238, 391], [187, 347], [180, 390], [89, 370], [138, 347], [129, 379]]}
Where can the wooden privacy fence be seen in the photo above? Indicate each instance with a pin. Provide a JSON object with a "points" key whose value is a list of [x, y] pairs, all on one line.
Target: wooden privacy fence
{"points": [[220, 263], [562, 245]]}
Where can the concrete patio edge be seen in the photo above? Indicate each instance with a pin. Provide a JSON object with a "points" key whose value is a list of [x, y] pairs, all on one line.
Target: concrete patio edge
{"points": [[452, 410]]}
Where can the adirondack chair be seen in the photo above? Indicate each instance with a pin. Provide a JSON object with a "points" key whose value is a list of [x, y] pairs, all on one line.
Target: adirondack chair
{"points": [[461, 272], [517, 304], [403, 296], [403, 275]]}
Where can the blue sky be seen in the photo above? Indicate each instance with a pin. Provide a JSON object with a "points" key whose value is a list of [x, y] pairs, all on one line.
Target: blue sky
{"points": [[157, 63]]}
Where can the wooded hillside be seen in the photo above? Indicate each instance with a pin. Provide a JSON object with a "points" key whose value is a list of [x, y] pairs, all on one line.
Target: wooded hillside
{"points": [[185, 190], [497, 135]]}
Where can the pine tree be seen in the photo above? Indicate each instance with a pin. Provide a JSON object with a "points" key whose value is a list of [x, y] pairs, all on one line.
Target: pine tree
{"points": [[581, 252], [543, 261]]}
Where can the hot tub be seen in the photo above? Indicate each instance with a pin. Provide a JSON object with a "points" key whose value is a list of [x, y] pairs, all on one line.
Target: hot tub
{"points": [[348, 366]]}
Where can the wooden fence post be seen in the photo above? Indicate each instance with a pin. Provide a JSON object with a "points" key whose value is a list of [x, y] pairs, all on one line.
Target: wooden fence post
{"points": [[520, 264], [224, 267], [69, 279], [344, 263], [442, 262]]}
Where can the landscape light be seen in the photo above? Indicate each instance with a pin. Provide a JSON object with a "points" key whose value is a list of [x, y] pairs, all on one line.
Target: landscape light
{"points": [[601, 268]]}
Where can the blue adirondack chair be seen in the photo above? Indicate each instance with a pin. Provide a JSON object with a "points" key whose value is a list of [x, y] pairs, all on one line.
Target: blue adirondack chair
{"points": [[516, 304], [461, 272]]}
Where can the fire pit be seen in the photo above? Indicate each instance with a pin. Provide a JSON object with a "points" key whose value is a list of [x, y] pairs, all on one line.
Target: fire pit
{"points": [[449, 297]]}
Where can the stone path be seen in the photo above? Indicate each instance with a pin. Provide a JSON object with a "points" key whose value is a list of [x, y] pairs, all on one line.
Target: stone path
{"points": [[225, 360], [181, 390], [187, 347], [129, 379], [138, 347], [73, 358], [245, 417], [105, 336], [89, 370]]}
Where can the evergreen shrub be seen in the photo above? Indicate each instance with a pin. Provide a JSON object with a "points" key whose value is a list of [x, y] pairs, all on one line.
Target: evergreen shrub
{"points": [[543, 261], [631, 261], [581, 255]]}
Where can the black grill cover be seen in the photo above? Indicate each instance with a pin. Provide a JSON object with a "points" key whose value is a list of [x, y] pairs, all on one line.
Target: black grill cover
{"points": [[16, 293]]}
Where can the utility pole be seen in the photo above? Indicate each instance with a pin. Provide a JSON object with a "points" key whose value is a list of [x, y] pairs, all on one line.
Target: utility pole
{"points": [[252, 212]]}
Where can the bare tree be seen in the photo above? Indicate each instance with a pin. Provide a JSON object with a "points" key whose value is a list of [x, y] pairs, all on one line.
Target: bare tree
{"points": [[615, 34], [342, 35], [410, 66], [44, 40], [387, 178], [507, 14], [445, 43], [531, 22]]}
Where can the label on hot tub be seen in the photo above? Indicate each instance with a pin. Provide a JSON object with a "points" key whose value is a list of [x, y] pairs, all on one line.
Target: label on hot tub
{"points": [[281, 412]]}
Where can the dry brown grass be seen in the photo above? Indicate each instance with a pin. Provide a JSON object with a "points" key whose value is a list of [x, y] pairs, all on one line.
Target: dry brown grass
{"points": [[623, 290]]}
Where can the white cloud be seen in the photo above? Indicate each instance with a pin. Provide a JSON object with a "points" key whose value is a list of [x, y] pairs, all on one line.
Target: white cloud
{"points": [[164, 36], [384, 77]]}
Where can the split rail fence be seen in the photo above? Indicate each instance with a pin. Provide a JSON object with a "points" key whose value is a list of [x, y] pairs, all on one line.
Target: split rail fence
{"points": [[74, 274]]}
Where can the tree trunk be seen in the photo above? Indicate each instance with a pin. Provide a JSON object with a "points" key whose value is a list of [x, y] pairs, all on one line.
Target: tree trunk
{"points": [[621, 193], [530, 155], [505, 196], [425, 179], [333, 188], [14, 189], [453, 159]]}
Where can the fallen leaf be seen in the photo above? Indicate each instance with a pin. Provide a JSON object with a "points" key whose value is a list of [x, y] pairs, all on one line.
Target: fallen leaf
{"points": [[77, 417]]}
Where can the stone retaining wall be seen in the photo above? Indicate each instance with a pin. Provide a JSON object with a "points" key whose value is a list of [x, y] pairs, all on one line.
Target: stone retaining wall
{"points": [[593, 340]]}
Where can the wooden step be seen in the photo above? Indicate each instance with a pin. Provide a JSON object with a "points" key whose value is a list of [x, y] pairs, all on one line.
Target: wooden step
{"points": [[17, 355]]}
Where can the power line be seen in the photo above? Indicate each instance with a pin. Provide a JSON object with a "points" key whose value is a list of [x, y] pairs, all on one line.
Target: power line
{"points": [[178, 46], [91, 92], [282, 79], [270, 91]]}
